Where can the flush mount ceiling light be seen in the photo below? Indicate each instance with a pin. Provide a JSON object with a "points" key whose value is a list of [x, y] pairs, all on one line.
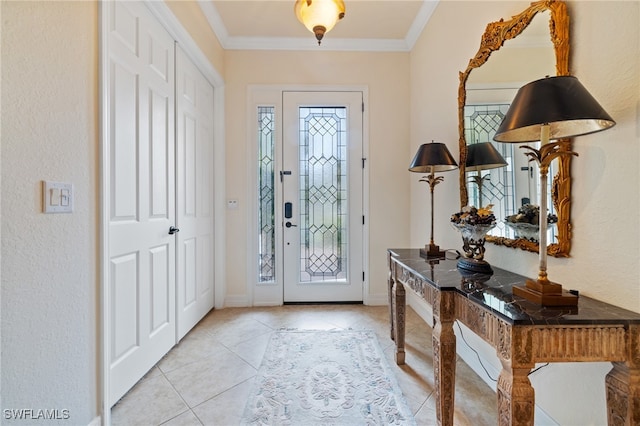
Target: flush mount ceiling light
{"points": [[319, 16]]}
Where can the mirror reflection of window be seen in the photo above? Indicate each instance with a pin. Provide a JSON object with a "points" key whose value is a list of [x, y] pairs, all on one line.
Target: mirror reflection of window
{"points": [[530, 46], [508, 188], [481, 123]]}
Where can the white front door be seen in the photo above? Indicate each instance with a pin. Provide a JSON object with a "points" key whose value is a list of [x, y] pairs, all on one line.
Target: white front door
{"points": [[322, 184], [194, 180], [140, 194]]}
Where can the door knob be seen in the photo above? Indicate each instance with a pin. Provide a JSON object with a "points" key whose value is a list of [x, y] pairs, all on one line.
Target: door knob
{"points": [[173, 230], [289, 224]]}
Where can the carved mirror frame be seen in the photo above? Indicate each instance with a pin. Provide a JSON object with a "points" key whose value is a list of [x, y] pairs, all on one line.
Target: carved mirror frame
{"points": [[493, 38]]}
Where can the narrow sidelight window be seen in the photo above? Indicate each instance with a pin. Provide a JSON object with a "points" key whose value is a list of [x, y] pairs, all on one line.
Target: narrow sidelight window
{"points": [[266, 195]]}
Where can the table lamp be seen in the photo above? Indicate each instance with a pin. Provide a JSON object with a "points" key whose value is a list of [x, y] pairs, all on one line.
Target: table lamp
{"points": [[482, 156], [546, 110], [431, 158]]}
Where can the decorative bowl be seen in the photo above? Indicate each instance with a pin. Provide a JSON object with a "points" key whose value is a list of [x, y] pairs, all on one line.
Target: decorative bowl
{"points": [[527, 231]]}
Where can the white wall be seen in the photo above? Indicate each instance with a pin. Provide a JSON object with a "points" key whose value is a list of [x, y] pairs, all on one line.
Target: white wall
{"points": [[50, 307], [49, 288], [605, 56], [385, 75], [49, 262], [605, 256]]}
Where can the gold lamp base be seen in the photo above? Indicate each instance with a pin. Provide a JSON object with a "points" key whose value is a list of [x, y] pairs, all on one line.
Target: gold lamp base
{"points": [[431, 251], [546, 293]]}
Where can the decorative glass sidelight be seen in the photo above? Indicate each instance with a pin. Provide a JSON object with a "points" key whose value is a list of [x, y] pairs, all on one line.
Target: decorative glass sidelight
{"points": [[323, 193], [266, 196]]}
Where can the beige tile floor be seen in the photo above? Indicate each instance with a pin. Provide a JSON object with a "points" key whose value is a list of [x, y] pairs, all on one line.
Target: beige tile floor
{"points": [[206, 378]]}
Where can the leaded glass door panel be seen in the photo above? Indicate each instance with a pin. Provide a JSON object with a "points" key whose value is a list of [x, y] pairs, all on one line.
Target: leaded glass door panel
{"points": [[322, 195]]}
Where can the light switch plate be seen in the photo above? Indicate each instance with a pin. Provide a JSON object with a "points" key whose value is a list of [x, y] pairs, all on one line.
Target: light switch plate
{"points": [[57, 197]]}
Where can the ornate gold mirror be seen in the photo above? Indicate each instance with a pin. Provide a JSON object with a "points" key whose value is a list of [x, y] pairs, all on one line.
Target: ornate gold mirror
{"points": [[485, 91]]}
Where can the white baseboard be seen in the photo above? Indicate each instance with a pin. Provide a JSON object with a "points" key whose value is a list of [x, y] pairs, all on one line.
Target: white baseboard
{"points": [[236, 302], [267, 303], [543, 419], [420, 307], [243, 301], [377, 300]]}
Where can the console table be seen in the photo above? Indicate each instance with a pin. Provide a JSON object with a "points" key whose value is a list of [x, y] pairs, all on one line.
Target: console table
{"points": [[521, 332]]}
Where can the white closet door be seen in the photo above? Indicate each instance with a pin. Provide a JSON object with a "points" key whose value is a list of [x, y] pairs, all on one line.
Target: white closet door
{"points": [[141, 194], [194, 167]]}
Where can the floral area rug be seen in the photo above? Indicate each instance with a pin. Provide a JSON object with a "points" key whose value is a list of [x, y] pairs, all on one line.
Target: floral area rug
{"points": [[326, 378]]}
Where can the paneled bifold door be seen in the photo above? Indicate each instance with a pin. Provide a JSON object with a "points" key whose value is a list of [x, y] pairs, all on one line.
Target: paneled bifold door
{"points": [[160, 283], [194, 136]]}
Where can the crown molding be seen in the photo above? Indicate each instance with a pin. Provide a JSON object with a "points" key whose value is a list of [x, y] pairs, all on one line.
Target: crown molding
{"points": [[428, 6], [308, 43], [166, 17], [215, 21]]}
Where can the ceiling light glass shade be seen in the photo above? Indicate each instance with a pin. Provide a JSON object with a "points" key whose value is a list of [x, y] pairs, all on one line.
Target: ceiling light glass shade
{"points": [[562, 102], [433, 157], [483, 156], [319, 16]]}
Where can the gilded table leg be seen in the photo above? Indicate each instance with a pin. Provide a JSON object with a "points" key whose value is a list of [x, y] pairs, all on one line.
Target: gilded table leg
{"points": [[399, 301], [623, 384], [516, 397], [444, 356], [390, 283], [623, 395]]}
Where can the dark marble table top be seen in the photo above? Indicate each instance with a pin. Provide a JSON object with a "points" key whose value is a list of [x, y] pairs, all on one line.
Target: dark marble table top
{"points": [[493, 292]]}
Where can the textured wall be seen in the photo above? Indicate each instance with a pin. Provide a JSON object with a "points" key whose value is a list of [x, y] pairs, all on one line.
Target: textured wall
{"points": [[49, 262], [49, 303], [50, 332], [605, 256], [605, 56]]}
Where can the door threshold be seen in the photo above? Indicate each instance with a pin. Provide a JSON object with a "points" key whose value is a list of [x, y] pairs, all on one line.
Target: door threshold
{"points": [[325, 303]]}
